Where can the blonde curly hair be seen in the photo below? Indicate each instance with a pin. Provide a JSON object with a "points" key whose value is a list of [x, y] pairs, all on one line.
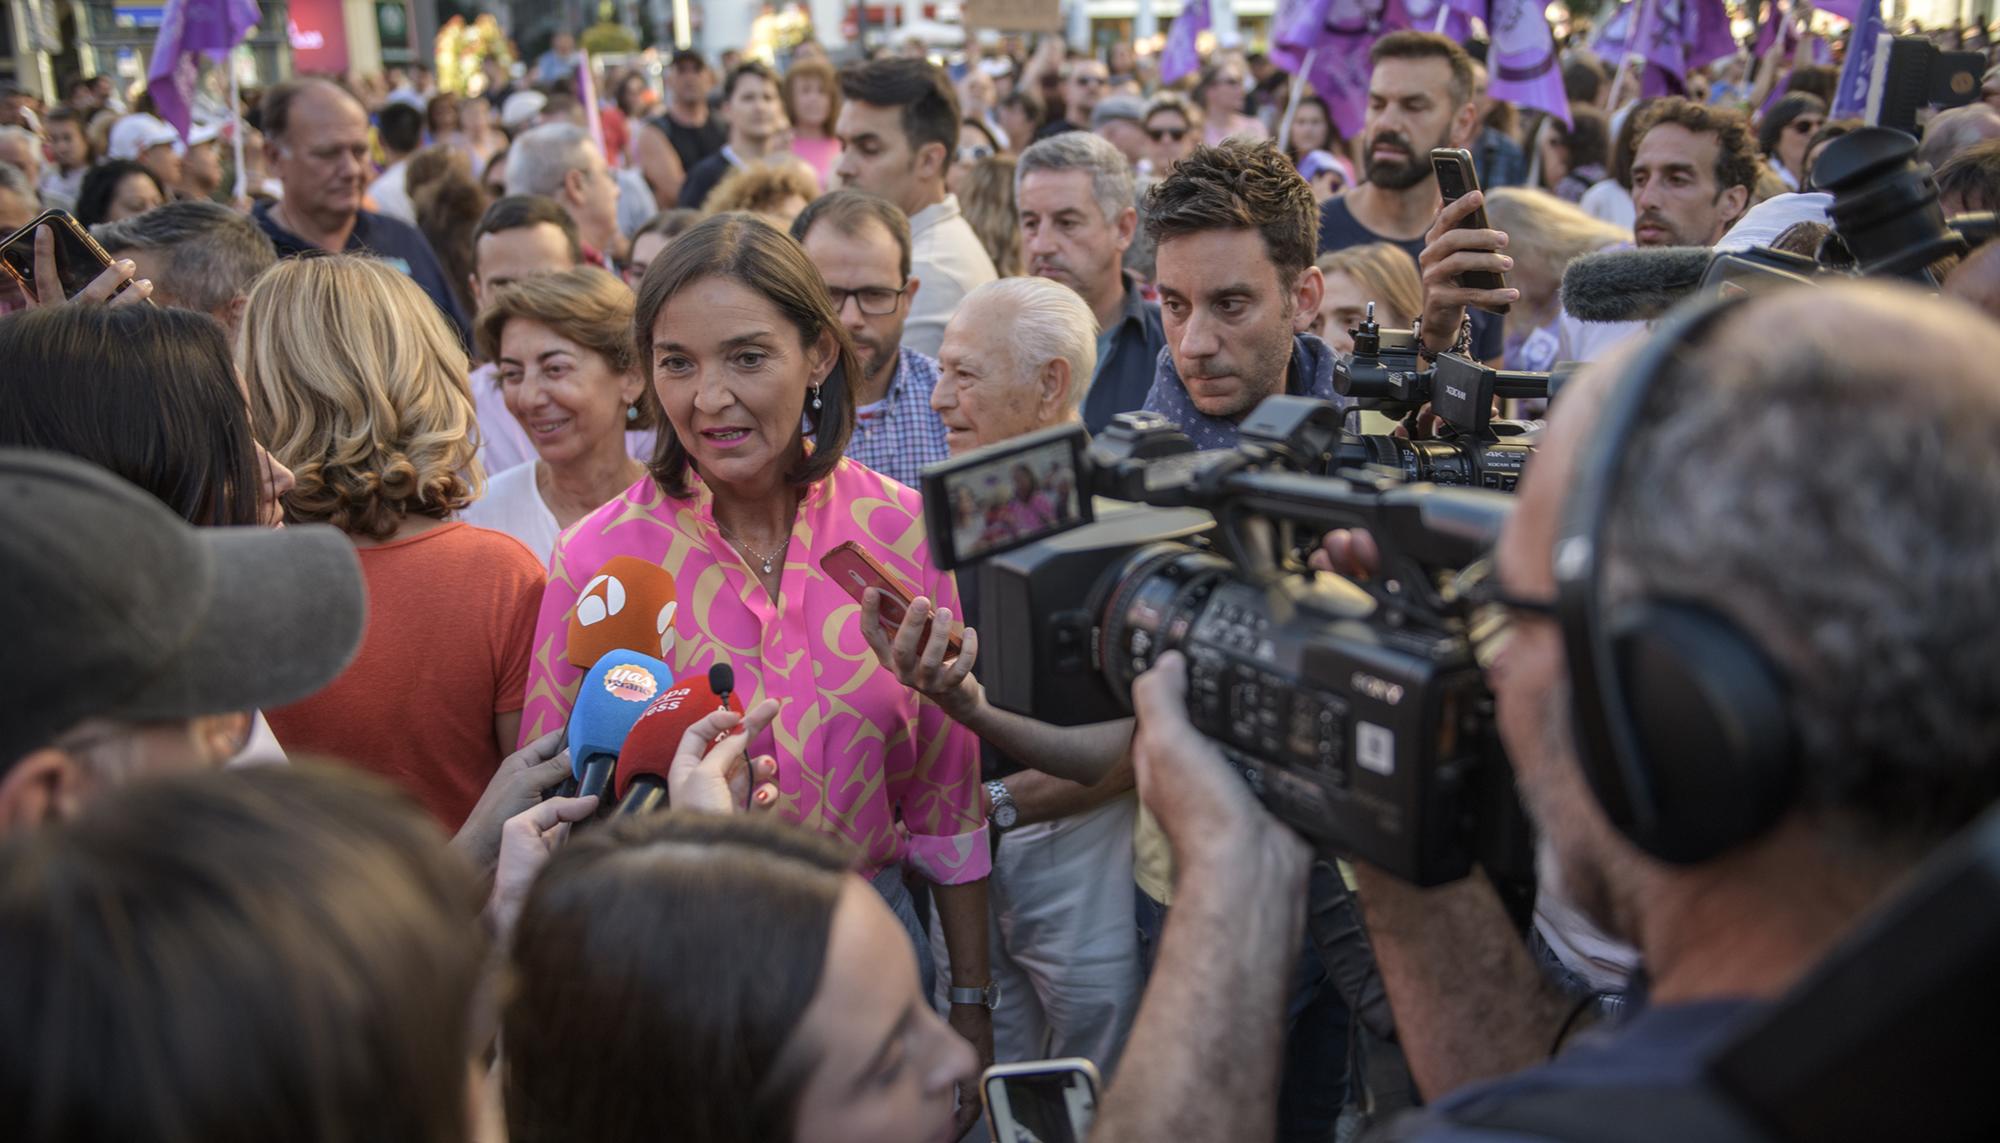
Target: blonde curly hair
{"points": [[763, 188], [359, 386]]}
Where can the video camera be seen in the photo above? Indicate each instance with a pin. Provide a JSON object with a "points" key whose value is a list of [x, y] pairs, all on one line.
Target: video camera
{"points": [[1356, 712], [1387, 374]]}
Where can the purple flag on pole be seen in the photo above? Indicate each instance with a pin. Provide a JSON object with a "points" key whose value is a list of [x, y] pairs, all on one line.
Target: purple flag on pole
{"points": [[1180, 57], [1849, 10], [1850, 100], [1525, 66], [1705, 34], [189, 29], [1340, 65], [1776, 33], [1450, 18], [1294, 31]]}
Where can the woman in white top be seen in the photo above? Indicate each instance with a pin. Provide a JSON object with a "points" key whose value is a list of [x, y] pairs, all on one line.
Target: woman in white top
{"points": [[569, 374]]}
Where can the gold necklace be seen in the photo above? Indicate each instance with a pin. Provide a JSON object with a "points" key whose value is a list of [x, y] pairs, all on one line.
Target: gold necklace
{"points": [[750, 551]]}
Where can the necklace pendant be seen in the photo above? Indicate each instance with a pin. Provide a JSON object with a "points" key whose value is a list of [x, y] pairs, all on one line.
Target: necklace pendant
{"points": [[767, 567]]}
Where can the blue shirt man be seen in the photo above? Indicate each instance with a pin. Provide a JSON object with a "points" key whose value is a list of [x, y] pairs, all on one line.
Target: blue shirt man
{"points": [[397, 243], [316, 142]]}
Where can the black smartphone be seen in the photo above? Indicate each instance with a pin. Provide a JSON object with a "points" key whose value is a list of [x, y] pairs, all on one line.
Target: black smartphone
{"points": [[1456, 179], [79, 259]]}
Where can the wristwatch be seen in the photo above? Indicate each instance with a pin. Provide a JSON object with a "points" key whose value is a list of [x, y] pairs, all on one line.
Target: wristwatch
{"points": [[987, 997], [1004, 813]]}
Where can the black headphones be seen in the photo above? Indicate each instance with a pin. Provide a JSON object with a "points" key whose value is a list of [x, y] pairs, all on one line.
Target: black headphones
{"points": [[1680, 717]]}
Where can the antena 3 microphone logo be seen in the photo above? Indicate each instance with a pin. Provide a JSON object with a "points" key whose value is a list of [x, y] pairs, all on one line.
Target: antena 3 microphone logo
{"points": [[631, 682]]}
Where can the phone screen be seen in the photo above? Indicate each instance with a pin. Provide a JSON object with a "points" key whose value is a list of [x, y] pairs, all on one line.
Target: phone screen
{"points": [[1054, 1106], [79, 259]]}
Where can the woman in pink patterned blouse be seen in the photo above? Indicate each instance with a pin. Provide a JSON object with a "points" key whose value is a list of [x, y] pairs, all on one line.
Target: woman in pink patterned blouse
{"points": [[741, 343]]}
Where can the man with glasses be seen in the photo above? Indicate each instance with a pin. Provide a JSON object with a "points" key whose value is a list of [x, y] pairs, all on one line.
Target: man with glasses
{"points": [[861, 244], [316, 142], [1083, 84]]}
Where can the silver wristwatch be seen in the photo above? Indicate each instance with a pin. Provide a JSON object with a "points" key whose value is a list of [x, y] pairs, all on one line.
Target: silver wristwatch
{"points": [[1004, 814], [987, 997]]}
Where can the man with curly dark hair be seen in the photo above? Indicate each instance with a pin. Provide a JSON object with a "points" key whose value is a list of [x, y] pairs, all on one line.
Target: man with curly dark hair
{"points": [[1237, 230]]}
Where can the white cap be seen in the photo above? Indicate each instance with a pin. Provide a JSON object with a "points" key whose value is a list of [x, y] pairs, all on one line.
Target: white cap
{"points": [[521, 109], [199, 133], [134, 135], [1761, 224]]}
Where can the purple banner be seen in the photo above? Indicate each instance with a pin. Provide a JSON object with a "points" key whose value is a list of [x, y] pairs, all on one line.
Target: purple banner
{"points": [[1850, 101], [189, 29], [1340, 66], [1180, 57], [1524, 65], [1705, 33]]}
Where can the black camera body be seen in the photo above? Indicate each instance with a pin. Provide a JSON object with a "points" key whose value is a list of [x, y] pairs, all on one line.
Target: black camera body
{"points": [[1386, 373], [1356, 714]]}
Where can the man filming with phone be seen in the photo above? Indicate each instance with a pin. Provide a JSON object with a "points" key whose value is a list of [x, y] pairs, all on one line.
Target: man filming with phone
{"points": [[1421, 96], [1693, 175]]}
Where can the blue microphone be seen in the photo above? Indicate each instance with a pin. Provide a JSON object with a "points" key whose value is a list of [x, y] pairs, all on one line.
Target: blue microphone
{"points": [[611, 698]]}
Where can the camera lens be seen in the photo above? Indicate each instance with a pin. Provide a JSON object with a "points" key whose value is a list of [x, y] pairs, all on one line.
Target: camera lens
{"points": [[1151, 606]]}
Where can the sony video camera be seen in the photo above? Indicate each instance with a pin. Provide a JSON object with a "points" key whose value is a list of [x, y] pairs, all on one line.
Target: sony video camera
{"points": [[1357, 713], [1385, 373]]}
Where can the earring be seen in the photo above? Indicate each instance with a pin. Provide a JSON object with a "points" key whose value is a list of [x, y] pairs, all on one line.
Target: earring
{"points": [[631, 412], [815, 398]]}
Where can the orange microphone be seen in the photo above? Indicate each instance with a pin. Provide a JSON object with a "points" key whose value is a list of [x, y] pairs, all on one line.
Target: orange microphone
{"points": [[629, 605]]}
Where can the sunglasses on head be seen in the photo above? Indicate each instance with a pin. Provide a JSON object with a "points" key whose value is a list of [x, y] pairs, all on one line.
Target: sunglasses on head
{"points": [[1162, 134]]}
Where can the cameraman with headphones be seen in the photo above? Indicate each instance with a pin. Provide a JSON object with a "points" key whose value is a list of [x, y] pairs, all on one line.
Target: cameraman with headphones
{"points": [[1744, 674]]}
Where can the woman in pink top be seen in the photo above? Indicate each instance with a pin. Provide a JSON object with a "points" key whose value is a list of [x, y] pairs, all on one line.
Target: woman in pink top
{"points": [[741, 343], [812, 102]]}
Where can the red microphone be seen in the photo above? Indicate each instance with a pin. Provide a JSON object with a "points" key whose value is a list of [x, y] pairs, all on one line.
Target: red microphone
{"points": [[649, 750]]}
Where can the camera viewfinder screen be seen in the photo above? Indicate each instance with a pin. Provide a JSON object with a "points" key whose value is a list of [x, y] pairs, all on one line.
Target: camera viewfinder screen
{"points": [[1013, 500]]}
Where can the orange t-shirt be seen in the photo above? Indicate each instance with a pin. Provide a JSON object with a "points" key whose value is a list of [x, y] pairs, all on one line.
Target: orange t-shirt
{"points": [[451, 624]]}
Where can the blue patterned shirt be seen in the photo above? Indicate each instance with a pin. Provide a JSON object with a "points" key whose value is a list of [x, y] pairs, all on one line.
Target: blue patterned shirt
{"points": [[900, 434]]}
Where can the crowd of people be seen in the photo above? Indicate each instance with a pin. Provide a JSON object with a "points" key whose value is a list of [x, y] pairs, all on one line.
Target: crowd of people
{"points": [[322, 501]]}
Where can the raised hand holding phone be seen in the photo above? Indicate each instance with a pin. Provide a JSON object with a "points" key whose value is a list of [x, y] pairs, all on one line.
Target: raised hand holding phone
{"points": [[1453, 248], [54, 259], [923, 655]]}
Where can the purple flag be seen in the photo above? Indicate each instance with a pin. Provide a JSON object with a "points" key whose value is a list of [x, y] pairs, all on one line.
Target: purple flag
{"points": [[1849, 10], [1450, 18], [1180, 57], [1525, 67], [1857, 75], [1294, 30], [1340, 66], [1777, 32], [1705, 33], [189, 29]]}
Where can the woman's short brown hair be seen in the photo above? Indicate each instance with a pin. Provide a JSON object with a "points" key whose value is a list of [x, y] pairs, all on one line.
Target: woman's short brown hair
{"points": [[586, 305], [359, 387], [627, 1010], [762, 187], [829, 82], [749, 251]]}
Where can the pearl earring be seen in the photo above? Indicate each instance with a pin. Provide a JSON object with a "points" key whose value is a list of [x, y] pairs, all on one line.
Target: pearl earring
{"points": [[815, 398]]}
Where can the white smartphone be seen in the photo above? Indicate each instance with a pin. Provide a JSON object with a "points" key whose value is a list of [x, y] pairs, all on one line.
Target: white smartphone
{"points": [[1042, 1101]]}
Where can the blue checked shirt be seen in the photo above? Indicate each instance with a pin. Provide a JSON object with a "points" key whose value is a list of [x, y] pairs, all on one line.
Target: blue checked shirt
{"points": [[899, 435]]}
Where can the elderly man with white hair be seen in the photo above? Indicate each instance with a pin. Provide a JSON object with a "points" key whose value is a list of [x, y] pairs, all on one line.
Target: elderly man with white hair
{"points": [[560, 161], [1016, 358]]}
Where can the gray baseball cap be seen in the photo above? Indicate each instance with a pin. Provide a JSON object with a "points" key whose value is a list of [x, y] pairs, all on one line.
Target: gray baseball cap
{"points": [[115, 607], [1115, 107]]}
